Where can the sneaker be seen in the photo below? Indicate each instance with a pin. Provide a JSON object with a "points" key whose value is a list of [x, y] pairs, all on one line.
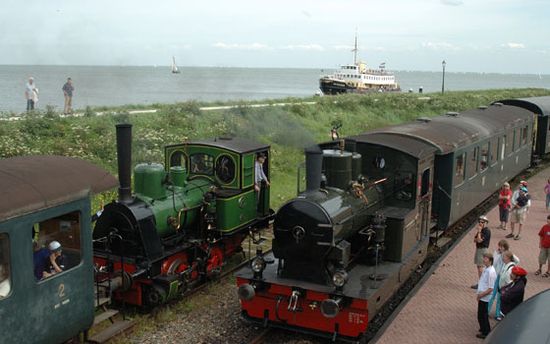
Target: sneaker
{"points": [[481, 335], [499, 318], [509, 235], [517, 237], [474, 286]]}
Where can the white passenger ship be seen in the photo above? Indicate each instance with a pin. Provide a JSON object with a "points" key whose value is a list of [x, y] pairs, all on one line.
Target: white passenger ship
{"points": [[357, 78]]}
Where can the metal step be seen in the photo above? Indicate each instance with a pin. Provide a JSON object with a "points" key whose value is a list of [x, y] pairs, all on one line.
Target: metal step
{"points": [[102, 301], [105, 315], [111, 331], [436, 234], [442, 241]]}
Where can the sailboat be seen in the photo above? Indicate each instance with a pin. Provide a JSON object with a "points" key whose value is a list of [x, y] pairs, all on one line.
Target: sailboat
{"points": [[175, 69]]}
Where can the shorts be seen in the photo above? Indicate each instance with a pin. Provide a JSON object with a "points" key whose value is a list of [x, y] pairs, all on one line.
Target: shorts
{"points": [[544, 255], [478, 258], [503, 214], [518, 216]]}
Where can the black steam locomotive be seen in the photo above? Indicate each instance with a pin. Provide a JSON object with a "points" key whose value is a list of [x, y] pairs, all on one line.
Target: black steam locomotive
{"points": [[344, 245]]}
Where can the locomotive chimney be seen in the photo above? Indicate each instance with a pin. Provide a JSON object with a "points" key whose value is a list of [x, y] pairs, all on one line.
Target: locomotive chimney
{"points": [[124, 157], [314, 164]]}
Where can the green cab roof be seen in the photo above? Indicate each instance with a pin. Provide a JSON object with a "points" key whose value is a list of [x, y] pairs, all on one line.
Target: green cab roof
{"points": [[234, 144]]}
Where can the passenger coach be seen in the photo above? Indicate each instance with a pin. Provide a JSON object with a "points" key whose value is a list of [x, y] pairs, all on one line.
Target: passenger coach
{"points": [[47, 198]]}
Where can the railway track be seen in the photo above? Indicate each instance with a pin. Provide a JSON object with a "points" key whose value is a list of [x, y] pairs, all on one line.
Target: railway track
{"points": [[115, 328]]}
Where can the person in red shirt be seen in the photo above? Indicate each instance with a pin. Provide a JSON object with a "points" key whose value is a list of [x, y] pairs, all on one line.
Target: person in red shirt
{"points": [[504, 204], [544, 255]]}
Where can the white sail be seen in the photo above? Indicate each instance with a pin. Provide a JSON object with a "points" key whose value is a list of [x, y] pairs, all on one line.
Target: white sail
{"points": [[174, 66]]}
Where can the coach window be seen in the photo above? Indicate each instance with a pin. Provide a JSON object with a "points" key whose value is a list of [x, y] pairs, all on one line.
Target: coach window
{"points": [[517, 139], [471, 165], [524, 132], [493, 151], [509, 142], [459, 168], [56, 240], [484, 158], [5, 281]]}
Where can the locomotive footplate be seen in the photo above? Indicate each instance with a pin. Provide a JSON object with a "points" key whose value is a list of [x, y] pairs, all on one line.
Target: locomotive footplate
{"points": [[360, 299]]}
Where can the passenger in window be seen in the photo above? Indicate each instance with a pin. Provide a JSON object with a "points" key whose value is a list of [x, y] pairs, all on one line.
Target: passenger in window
{"points": [[5, 285], [47, 261]]}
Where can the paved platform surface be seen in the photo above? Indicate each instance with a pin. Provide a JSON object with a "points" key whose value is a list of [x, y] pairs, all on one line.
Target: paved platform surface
{"points": [[444, 310]]}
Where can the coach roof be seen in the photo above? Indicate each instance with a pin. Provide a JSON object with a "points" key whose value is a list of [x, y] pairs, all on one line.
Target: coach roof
{"points": [[538, 105], [31, 183], [452, 131]]}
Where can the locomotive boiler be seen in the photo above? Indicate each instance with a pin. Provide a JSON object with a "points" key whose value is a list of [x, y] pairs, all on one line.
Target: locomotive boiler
{"points": [[329, 225], [181, 223]]}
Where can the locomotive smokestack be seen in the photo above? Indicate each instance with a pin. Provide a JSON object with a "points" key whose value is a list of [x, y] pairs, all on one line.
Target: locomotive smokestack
{"points": [[124, 157], [314, 164]]}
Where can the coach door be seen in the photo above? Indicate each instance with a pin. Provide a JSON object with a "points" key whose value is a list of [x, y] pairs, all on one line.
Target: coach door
{"points": [[424, 206]]}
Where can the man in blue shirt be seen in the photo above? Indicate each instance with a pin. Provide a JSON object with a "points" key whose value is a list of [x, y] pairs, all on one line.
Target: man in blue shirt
{"points": [[45, 264]]}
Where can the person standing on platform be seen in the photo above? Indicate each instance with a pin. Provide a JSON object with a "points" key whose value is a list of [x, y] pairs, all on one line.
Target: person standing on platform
{"points": [[521, 201], [484, 291], [504, 204], [544, 245], [497, 264], [513, 293], [547, 193], [31, 94], [509, 260], [68, 89], [482, 240]]}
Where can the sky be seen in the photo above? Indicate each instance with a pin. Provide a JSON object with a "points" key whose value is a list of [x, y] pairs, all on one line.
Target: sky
{"points": [[492, 36]]}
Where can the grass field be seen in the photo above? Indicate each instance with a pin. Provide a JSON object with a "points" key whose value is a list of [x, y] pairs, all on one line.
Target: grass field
{"points": [[288, 129]]}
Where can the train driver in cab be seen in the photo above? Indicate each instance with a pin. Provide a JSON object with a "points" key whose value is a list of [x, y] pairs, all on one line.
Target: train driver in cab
{"points": [[47, 261], [259, 174]]}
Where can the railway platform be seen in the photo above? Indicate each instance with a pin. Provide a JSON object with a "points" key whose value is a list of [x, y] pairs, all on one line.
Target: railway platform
{"points": [[444, 308]]}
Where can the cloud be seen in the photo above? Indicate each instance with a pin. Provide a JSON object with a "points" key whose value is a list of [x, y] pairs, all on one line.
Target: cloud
{"points": [[512, 45], [315, 47], [234, 46], [439, 46], [342, 47], [452, 2]]}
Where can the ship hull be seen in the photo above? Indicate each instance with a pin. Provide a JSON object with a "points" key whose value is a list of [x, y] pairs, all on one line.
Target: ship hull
{"points": [[331, 87]]}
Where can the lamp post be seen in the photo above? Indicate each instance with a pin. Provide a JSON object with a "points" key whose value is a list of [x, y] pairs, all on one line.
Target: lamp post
{"points": [[443, 81]]}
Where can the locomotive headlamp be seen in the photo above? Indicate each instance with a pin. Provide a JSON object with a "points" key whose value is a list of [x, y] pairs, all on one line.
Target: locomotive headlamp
{"points": [[340, 278], [331, 307], [246, 292], [258, 264]]}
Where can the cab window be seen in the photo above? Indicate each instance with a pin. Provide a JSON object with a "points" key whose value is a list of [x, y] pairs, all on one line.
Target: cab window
{"points": [[177, 159], [202, 164], [56, 245], [5, 280]]}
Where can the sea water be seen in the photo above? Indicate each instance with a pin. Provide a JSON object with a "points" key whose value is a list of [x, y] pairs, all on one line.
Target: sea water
{"points": [[110, 85]]}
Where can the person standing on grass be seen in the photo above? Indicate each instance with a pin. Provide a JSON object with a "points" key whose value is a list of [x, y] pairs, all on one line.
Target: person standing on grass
{"points": [[68, 89], [521, 201], [484, 290], [482, 240], [544, 245], [504, 204], [31, 94]]}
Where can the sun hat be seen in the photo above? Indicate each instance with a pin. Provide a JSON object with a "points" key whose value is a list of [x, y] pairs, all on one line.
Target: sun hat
{"points": [[523, 188], [484, 219], [54, 246]]}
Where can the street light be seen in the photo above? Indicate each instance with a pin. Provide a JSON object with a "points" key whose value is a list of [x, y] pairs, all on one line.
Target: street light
{"points": [[443, 81]]}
